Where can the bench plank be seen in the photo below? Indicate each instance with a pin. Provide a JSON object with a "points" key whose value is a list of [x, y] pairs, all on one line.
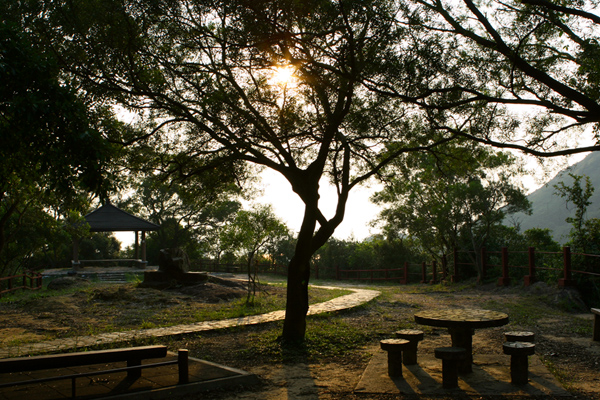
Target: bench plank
{"points": [[135, 354]]}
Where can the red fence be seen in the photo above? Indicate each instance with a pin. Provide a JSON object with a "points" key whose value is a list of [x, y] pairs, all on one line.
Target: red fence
{"points": [[29, 281], [532, 267], [504, 266], [432, 272]]}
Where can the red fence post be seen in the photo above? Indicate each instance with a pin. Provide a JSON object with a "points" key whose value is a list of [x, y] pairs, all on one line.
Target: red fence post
{"points": [[483, 263], [405, 273], [530, 279], [434, 272], [444, 267], [504, 280], [423, 272], [566, 280], [454, 277]]}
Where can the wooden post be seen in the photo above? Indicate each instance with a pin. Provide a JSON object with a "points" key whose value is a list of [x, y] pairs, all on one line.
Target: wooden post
{"points": [[454, 277], [182, 363], [423, 272], [483, 254], [137, 246], [433, 272], [504, 280], [566, 280], [444, 267], [530, 279], [143, 249], [405, 272]]}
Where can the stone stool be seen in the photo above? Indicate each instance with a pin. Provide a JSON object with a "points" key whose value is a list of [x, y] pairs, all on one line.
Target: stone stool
{"points": [[519, 363], [450, 357], [414, 336], [519, 336], [394, 348]]}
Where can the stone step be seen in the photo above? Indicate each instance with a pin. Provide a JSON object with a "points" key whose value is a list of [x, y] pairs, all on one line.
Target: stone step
{"points": [[112, 277]]}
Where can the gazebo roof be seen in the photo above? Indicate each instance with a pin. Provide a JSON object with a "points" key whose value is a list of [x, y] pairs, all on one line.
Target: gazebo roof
{"points": [[109, 218]]}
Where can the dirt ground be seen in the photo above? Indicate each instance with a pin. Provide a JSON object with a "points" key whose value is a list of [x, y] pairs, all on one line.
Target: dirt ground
{"points": [[560, 321], [558, 318]]}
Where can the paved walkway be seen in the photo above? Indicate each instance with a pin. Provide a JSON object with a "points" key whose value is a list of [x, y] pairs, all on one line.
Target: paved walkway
{"points": [[358, 297]]}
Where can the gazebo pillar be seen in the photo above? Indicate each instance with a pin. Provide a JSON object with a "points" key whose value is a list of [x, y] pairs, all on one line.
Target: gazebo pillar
{"points": [[144, 248], [137, 246]]}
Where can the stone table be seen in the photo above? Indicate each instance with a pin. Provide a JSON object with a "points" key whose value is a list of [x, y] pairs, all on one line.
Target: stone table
{"points": [[461, 324]]}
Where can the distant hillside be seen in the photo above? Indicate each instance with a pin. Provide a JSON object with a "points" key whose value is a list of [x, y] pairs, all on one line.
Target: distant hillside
{"points": [[550, 210]]}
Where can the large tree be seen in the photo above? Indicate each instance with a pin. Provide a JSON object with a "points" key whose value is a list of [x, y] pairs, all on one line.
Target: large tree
{"points": [[202, 74], [52, 143]]}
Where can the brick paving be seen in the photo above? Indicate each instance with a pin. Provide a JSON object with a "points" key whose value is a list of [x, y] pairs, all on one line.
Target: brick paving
{"points": [[356, 298]]}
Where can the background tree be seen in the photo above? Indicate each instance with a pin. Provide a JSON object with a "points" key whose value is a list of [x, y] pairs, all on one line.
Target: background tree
{"points": [[451, 192], [584, 234], [252, 232], [190, 216]]}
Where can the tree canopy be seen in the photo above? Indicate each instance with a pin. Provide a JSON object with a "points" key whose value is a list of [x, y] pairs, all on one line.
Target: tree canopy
{"points": [[53, 147]]}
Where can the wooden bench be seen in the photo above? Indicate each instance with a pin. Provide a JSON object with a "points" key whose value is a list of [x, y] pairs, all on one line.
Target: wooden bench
{"points": [[132, 355], [596, 335]]}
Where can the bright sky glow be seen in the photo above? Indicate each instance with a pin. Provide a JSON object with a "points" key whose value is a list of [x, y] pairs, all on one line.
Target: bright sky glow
{"points": [[284, 76]]}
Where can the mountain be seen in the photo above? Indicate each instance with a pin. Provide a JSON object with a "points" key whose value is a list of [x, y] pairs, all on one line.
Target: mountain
{"points": [[550, 210]]}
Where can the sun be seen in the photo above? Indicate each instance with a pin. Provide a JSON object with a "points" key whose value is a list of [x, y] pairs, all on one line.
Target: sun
{"points": [[283, 76]]}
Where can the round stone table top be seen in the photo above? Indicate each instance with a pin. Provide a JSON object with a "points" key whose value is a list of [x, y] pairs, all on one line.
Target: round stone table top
{"points": [[461, 318]]}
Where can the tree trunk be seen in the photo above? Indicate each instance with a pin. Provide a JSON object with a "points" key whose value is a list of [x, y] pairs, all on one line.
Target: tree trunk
{"points": [[294, 325]]}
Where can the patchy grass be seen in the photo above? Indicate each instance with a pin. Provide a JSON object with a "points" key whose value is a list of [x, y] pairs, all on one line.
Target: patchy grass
{"points": [[101, 308]]}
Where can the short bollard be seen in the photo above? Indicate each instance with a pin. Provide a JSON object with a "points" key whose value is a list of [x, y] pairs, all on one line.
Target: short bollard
{"points": [[519, 362], [519, 336], [450, 357], [414, 336], [394, 348], [183, 366]]}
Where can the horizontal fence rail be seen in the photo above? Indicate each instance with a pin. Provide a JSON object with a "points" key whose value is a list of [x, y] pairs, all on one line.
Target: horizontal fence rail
{"points": [[27, 281], [504, 266]]}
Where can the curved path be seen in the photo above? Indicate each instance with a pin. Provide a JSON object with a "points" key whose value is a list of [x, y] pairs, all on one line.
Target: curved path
{"points": [[356, 298]]}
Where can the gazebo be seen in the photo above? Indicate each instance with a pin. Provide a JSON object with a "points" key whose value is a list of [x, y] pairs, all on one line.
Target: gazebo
{"points": [[109, 218]]}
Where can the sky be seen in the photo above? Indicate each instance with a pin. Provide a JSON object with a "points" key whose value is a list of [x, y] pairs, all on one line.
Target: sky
{"points": [[287, 205]]}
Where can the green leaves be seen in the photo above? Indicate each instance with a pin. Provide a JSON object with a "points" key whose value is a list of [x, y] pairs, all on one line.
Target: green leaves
{"points": [[456, 189]]}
